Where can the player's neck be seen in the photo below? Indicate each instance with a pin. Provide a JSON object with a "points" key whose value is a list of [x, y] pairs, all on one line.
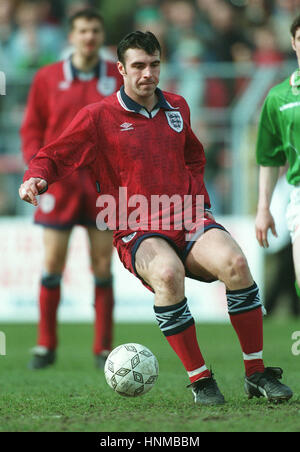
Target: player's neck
{"points": [[149, 104], [84, 64]]}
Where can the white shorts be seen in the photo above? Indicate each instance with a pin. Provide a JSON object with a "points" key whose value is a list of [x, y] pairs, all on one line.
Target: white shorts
{"points": [[293, 214]]}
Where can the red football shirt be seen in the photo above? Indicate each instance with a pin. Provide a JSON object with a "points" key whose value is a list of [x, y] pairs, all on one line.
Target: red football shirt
{"points": [[56, 96], [124, 145]]}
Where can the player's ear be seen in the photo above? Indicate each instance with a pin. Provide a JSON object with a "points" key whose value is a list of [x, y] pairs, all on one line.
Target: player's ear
{"points": [[121, 68], [293, 43]]}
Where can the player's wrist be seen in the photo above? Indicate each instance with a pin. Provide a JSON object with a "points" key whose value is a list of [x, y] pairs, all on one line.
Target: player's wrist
{"points": [[263, 208]]}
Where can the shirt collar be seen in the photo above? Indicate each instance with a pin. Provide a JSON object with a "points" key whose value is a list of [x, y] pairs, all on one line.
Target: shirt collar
{"points": [[94, 72], [134, 106]]}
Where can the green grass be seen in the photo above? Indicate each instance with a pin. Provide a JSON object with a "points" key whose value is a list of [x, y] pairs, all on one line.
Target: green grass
{"points": [[73, 396]]}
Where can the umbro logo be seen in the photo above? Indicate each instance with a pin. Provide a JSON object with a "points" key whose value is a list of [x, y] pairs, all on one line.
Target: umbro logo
{"points": [[126, 126], [129, 237]]}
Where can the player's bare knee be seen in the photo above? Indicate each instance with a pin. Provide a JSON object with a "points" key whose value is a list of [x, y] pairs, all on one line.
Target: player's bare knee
{"points": [[169, 277], [236, 270], [240, 263]]}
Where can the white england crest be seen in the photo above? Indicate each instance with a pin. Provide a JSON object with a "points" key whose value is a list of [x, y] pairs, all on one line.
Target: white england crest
{"points": [[175, 120], [107, 85]]}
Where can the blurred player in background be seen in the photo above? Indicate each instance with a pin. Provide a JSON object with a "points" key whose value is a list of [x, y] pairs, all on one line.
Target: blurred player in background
{"points": [[278, 143], [141, 139], [58, 92]]}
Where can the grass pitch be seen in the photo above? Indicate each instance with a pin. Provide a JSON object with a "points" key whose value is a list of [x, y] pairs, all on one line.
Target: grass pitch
{"points": [[73, 396]]}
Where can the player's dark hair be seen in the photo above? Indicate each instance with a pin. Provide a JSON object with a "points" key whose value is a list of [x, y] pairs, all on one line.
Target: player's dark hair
{"points": [[86, 13], [295, 25], [138, 40]]}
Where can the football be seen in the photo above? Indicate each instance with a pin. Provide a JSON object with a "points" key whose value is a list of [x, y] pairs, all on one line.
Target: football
{"points": [[131, 370]]}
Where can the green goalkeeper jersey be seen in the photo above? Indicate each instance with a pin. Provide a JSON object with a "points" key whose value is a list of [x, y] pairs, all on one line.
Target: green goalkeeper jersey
{"points": [[278, 139]]}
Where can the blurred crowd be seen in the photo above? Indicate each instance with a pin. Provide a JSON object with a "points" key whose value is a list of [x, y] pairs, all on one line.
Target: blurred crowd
{"points": [[212, 31], [220, 30], [194, 34], [33, 32]]}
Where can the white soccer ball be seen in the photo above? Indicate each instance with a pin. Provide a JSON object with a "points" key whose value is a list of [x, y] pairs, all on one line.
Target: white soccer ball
{"points": [[131, 370]]}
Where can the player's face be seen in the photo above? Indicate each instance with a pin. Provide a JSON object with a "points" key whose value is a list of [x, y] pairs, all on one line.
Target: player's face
{"points": [[296, 44], [87, 36], [140, 72]]}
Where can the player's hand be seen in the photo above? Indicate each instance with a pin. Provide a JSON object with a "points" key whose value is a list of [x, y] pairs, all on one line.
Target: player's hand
{"points": [[264, 221], [31, 188]]}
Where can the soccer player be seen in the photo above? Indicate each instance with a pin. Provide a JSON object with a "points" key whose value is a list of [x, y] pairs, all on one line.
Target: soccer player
{"points": [[278, 143], [140, 139], [58, 92]]}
